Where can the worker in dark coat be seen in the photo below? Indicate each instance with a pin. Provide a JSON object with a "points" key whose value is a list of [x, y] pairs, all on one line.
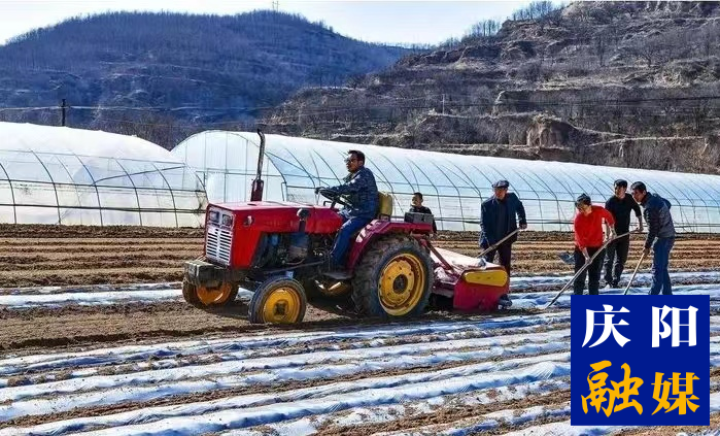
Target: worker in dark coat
{"points": [[660, 237], [620, 206], [361, 193], [499, 217], [417, 207]]}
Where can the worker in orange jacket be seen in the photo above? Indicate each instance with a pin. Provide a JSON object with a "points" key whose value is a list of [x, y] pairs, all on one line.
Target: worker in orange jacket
{"points": [[588, 241]]}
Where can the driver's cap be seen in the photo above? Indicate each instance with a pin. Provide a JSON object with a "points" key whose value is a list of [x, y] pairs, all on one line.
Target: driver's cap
{"points": [[501, 184]]}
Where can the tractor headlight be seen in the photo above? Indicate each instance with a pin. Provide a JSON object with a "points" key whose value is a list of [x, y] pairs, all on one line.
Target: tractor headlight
{"points": [[214, 217], [227, 220]]}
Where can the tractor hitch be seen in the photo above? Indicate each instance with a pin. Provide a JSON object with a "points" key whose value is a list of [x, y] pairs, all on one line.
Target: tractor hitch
{"points": [[201, 273]]}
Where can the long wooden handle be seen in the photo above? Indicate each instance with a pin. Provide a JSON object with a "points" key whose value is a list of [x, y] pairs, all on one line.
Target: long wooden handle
{"points": [[584, 267], [498, 243], [632, 277]]}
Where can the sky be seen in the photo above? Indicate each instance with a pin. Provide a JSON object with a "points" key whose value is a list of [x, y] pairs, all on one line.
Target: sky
{"points": [[415, 22]]}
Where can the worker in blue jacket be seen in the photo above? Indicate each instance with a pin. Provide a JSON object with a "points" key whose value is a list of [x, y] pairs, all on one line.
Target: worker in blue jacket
{"points": [[361, 193], [499, 217], [660, 237]]}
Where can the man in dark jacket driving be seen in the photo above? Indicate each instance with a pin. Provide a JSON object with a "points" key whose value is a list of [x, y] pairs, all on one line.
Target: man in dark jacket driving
{"points": [[498, 219], [660, 237], [361, 193]]}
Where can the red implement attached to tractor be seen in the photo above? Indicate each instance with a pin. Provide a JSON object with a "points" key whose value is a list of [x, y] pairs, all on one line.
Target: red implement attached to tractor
{"points": [[279, 251]]}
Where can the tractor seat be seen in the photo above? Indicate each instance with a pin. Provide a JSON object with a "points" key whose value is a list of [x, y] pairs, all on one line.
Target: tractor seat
{"points": [[385, 209], [385, 206]]}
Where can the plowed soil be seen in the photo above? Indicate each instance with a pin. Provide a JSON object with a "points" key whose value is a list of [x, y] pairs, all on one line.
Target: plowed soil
{"points": [[59, 256], [53, 255]]}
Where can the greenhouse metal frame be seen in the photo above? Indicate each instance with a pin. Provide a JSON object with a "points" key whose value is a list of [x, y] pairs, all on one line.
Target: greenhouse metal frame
{"points": [[52, 175], [453, 186]]}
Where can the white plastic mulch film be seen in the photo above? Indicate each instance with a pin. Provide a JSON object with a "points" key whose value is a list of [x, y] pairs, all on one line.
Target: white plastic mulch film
{"points": [[453, 186], [59, 175]]}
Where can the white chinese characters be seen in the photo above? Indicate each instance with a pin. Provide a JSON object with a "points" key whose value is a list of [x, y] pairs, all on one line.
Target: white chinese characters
{"points": [[658, 320], [608, 326]]}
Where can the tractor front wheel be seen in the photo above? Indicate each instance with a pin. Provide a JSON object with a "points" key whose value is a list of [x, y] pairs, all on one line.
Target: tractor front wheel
{"points": [[393, 279], [204, 296], [279, 300]]}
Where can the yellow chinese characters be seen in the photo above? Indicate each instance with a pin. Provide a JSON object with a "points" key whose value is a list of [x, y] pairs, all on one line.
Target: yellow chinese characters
{"points": [[682, 397], [622, 391]]}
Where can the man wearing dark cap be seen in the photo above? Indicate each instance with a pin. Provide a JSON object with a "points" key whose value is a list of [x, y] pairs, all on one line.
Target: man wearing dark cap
{"points": [[620, 205], [498, 219]]}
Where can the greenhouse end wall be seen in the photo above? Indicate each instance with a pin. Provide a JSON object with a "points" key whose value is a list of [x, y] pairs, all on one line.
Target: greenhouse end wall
{"points": [[453, 186], [58, 175]]}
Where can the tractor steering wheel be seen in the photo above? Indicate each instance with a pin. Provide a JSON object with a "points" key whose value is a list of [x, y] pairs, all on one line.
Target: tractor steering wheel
{"points": [[334, 197]]}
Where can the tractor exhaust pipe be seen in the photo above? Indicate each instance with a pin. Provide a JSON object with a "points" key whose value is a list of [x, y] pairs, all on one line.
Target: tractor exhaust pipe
{"points": [[258, 184]]}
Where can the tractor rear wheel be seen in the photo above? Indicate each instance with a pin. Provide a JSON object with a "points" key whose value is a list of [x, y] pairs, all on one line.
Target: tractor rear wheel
{"points": [[278, 300], [393, 279], [203, 296]]}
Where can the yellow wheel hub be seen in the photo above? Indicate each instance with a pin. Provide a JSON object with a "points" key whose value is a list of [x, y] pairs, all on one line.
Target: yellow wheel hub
{"points": [[401, 284], [281, 306], [210, 296]]}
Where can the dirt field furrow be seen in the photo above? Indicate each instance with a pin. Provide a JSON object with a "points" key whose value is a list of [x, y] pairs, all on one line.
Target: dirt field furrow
{"points": [[34, 258], [449, 415], [220, 394], [132, 367], [141, 256], [140, 274]]}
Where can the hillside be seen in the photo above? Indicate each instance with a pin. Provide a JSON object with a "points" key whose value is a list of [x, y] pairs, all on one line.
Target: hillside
{"points": [[616, 83], [211, 69]]}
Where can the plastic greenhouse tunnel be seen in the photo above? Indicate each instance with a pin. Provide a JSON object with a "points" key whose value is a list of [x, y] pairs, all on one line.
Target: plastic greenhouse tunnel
{"points": [[58, 175], [453, 186]]}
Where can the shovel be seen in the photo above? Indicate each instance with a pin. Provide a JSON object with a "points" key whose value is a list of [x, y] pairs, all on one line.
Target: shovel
{"points": [[497, 244], [581, 270], [632, 277], [569, 258]]}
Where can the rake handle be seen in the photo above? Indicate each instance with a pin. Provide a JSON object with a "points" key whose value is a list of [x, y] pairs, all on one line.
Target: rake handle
{"points": [[498, 243], [632, 277], [584, 267]]}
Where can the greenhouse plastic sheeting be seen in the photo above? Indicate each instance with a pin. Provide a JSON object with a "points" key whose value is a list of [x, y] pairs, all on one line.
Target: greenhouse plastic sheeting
{"points": [[59, 175], [453, 186]]}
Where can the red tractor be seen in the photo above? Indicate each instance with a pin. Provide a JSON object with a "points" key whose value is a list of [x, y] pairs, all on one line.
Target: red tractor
{"points": [[279, 251]]}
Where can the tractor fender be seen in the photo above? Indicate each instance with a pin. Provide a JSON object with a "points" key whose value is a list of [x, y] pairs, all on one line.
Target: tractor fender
{"points": [[378, 228]]}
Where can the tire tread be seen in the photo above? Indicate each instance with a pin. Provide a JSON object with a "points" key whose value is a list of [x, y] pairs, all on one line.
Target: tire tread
{"points": [[364, 284]]}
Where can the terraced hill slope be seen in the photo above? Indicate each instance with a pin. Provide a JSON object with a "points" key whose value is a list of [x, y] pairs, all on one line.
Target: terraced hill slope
{"points": [[616, 83]]}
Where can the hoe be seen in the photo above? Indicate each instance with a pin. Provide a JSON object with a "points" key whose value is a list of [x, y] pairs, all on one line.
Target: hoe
{"points": [[279, 251]]}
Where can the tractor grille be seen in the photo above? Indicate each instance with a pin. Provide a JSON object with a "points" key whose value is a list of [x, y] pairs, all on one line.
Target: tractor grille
{"points": [[217, 244]]}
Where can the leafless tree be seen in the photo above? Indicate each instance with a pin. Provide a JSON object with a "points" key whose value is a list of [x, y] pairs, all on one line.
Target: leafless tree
{"points": [[484, 28], [707, 37], [600, 44], [647, 48], [535, 11], [614, 32]]}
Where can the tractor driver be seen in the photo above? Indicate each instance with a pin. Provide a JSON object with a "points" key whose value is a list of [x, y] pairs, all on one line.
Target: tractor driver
{"points": [[361, 193]]}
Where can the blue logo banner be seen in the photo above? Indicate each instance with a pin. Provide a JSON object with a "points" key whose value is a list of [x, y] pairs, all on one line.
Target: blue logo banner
{"points": [[640, 360]]}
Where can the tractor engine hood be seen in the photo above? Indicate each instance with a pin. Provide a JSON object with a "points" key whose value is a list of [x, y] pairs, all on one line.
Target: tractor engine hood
{"points": [[233, 230], [280, 216]]}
